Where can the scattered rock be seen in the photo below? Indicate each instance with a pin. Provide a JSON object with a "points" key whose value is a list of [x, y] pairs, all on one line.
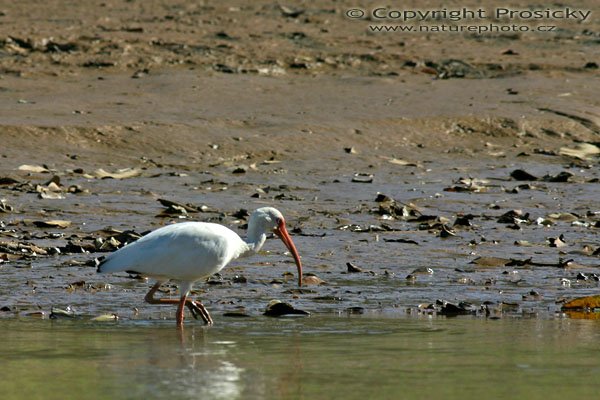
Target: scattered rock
{"points": [[5, 207], [172, 211], [179, 206], [277, 308], [106, 318], [242, 213], [532, 295], [111, 244], [311, 279], [398, 240], [446, 231], [58, 313], [360, 177], [467, 185], [464, 220], [422, 271], [557, 242], [353, 268], [355, 310], [560, 177], [239, 279], [392, 208], [521, 175], [451, 309], [513, 217], [586, 277], [290, 12], [369, 228]]}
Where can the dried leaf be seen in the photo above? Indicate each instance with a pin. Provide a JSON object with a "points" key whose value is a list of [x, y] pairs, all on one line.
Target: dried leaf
{"points": [[312, 280], [582, 303], [173, 211], [398, 161], [50, 196], [119, 174], [271, 161], [565, 217], [33, 168], [53, 187], [186, 207], [582, 151], [54, 223]]}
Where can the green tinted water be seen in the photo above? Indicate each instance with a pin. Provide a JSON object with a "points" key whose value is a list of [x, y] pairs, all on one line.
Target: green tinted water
{"points": [[321, 357]]}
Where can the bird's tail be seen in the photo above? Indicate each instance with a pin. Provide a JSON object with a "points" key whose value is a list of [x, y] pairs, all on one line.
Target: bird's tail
{"points": [[100, 261]]}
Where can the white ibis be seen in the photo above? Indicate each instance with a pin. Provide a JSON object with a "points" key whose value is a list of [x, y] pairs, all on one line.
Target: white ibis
{"points": [[189, 251]]}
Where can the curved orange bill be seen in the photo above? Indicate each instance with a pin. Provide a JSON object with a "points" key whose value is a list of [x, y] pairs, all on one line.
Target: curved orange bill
{"points": [[287, 240]]}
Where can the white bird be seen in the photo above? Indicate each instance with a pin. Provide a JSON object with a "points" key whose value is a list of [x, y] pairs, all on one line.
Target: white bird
{"points": [[189, 251]]}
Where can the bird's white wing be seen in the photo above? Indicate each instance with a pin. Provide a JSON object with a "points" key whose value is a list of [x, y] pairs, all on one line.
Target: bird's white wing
{"points": [[185, 251]]}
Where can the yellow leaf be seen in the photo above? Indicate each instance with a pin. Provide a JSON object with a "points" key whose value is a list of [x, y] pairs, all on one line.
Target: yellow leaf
{"points": [[581, 303]]}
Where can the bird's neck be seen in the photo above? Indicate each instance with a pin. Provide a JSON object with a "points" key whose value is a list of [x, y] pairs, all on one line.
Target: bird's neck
{"points": [[255, 240]]}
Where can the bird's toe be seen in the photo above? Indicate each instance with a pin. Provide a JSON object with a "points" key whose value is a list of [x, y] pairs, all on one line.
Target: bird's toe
{"points": [[199, 312]]}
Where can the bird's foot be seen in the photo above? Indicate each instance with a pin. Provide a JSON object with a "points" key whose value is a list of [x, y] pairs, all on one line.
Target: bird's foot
{"points": [[199, 311]]}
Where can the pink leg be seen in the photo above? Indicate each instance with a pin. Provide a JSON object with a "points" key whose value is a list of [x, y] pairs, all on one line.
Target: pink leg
{"points": [[182, 302], [196, 308]]}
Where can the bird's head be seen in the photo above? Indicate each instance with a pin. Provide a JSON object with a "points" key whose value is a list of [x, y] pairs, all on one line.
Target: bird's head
{"points": [[269, 219]]}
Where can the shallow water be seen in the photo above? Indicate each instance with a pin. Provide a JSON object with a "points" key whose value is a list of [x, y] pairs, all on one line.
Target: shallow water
{"points": [[325, 357]]}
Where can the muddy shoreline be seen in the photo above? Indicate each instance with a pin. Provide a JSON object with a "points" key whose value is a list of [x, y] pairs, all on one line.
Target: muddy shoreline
{"points": [[285, 111]]}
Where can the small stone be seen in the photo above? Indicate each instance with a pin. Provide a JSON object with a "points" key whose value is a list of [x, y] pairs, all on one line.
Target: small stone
{"points": [[353, 268], [277, 308]]}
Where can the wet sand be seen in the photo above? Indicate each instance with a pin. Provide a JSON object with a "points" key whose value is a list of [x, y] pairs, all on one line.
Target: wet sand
{"points": [[241, 106]]}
